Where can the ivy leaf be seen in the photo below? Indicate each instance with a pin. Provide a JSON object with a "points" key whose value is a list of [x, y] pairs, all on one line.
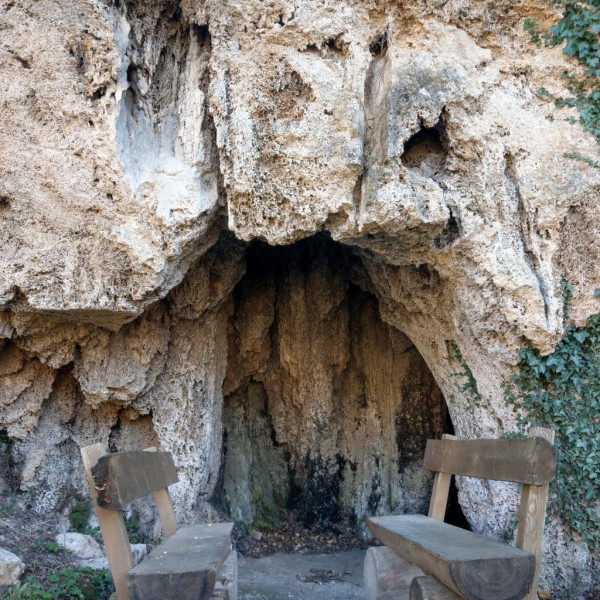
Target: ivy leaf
{"points": [[581, 336], [597, 293]]}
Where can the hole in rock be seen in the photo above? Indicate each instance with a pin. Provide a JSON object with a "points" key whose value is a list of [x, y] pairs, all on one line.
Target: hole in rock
{"points": [[327, 407], [337, 44], [425, 150], [448, 235], [454, 514], [378, 47]]}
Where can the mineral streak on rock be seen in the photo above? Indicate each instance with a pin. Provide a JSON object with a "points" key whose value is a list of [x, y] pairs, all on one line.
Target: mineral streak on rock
{"points": [[136, 132]]}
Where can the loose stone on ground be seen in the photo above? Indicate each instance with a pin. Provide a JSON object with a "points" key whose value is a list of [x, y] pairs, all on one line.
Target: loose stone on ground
{"points": [[11, 568], [88, 551]]}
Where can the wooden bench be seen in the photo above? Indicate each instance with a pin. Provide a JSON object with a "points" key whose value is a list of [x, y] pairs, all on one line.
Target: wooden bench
{"points": [[462, 564], [187, 563]]}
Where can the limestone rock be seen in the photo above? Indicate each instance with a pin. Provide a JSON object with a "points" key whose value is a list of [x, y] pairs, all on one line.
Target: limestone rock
{"points": [[126, 197], [84, 547], [11, 567], [143, 136], [88, 551], [24, 385]]}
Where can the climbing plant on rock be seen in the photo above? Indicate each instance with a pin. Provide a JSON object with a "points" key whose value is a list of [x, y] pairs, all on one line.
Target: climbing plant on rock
{"points": [[579, 31], [562, 391], [470, 384]]}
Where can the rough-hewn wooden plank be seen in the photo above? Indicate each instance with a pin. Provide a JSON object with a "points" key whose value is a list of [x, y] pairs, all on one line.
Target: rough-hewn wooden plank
{"points": [[428, 588], [112, 526], [531, 461], [441, 487], [185, 565], [474, 566], [532, 514], [124, 477]]}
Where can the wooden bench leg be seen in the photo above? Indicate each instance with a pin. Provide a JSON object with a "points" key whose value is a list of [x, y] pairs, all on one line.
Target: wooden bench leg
{"points": [[387, 575], [112, 526], [429, 588], [226, 587], [532, 514]]}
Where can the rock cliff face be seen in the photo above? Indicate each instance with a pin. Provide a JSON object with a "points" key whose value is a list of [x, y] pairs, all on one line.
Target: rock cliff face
{"points": [[155, 155]]}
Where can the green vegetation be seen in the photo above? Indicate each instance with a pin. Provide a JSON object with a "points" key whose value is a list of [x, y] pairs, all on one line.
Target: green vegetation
{"points": [[470, 385], [507, 535], [79, 517], [132, 525], [578, 29], [52, 547], [7, 473], [562, 391], [567, 296], [582, 158], [65, 584]]}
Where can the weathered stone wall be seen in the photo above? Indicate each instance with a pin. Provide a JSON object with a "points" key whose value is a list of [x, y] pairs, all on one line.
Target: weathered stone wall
{"points": [[328, 409], [135, 132], [157, 380]]}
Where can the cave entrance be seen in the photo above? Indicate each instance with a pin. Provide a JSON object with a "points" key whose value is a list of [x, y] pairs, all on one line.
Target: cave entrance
{"points": [[327, 407]]}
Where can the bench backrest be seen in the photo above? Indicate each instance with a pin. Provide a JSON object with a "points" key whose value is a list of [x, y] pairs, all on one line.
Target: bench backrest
{"points": [[530, 461], [124, 477], [118, 479]]}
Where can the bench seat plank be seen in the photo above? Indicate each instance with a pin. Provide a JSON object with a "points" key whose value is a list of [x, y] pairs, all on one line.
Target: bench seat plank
{"points": [[124, 477], [474, 566], [185, 565]]}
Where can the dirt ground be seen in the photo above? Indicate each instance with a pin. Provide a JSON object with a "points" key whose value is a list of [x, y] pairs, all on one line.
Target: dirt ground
{"points": [[290, 536]]}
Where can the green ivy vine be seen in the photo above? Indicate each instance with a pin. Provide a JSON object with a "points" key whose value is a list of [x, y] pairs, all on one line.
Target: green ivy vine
{"points": [[470, 385], [579, 31], [562, 391]]}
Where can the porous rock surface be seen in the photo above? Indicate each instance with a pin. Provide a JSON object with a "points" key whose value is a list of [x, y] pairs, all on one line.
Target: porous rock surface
{"points": [[136, 132]]}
